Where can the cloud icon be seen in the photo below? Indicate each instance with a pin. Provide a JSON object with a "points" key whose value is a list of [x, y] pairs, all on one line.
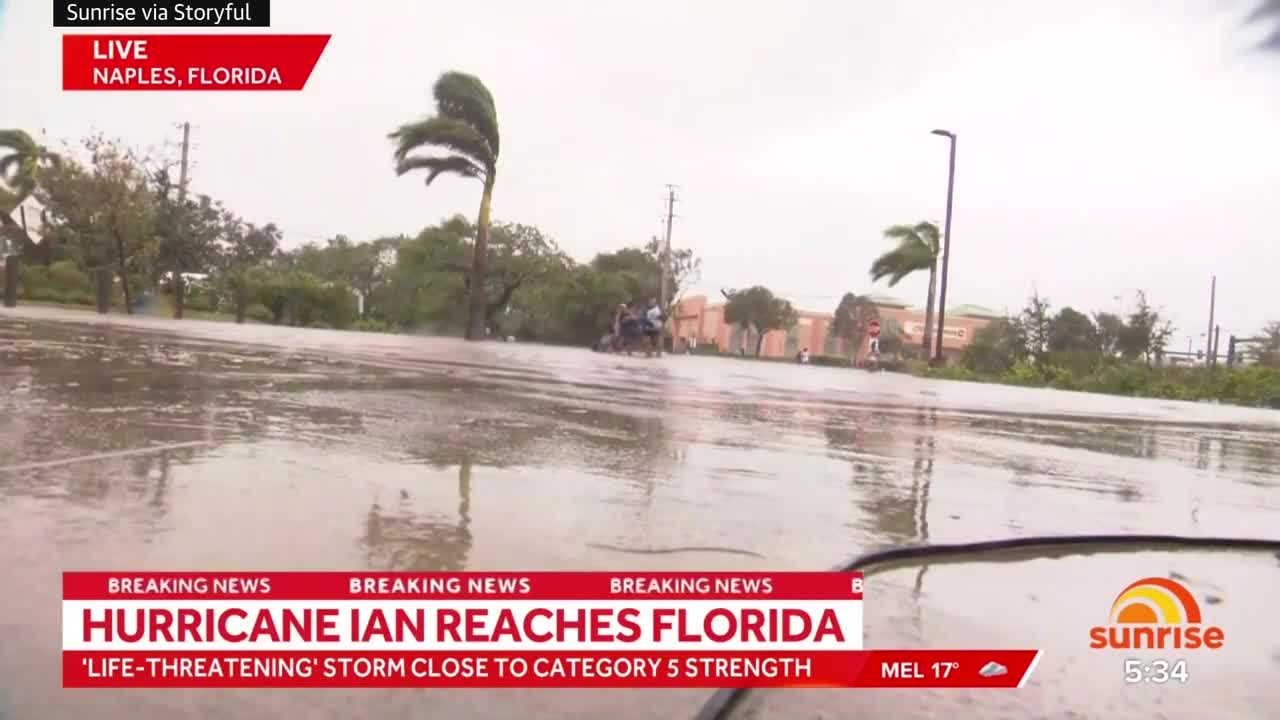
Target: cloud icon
{"points": [[993, 669]]}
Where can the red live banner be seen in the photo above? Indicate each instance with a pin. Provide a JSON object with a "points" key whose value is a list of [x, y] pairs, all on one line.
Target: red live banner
{"points": [[532, 669], [189, 62]]}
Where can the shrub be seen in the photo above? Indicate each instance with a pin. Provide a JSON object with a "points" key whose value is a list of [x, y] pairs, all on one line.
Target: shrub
{"points": [[1024, 372], [259, 312], [950, 372], [371, 325], [61, 282], [64, 275]]}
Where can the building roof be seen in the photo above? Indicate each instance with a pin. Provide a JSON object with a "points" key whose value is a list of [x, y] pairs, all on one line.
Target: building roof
{"points": [[887, 300], [974, 311]]}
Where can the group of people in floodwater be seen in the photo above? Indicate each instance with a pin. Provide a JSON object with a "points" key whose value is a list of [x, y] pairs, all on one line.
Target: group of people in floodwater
{"points": [[635, 326]]}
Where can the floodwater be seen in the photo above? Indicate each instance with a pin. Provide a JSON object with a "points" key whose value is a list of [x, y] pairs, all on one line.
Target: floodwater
{"points": [[140, 443]]}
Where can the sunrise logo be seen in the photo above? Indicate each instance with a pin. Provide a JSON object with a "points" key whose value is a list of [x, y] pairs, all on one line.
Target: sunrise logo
{"points": [[1156, 614]]}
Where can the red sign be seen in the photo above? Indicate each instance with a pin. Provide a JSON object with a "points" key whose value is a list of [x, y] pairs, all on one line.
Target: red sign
{"points": [[874, 328], [189, 62]]}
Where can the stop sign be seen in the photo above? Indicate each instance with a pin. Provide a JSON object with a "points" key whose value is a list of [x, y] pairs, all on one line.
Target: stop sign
{"points": [[874, 328]]}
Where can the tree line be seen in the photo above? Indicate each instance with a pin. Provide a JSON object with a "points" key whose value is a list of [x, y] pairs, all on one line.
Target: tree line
{"points": [[1036, 342], [120, 232]]}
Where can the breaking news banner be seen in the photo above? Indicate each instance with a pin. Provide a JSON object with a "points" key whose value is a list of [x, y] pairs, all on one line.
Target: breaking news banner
{"points": [[189, 62], [496, 629], [160, 13]]}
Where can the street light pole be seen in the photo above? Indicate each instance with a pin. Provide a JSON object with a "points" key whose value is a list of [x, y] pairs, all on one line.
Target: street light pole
{"points": [[946, 240]]}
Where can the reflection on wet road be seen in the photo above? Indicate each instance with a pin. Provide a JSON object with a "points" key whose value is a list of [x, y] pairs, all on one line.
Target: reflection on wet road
{"points": [[150, 444]]}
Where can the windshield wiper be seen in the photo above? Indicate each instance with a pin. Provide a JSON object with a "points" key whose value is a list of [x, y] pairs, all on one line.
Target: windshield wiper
{"points": [[722, 703]]}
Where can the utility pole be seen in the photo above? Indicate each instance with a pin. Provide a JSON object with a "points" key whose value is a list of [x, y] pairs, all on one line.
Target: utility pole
{"points": [[946, 241], [186, 149], [666, 263], [179, 291], [1210, 352]]}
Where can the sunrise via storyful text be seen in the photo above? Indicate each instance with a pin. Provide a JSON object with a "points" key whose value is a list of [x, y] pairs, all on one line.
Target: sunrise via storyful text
{"points": [[144, 14]]}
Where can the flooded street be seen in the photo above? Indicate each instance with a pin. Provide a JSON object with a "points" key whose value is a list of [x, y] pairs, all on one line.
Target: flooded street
{"points": [[152, 444]]}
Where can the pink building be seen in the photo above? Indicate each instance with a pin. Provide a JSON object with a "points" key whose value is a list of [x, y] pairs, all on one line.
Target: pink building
{"points": [[697, 319]]}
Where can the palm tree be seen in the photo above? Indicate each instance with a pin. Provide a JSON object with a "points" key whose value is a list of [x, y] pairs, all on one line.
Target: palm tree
{"points": [[918, 247], [20, 156], [21, 159], [466, 125]]}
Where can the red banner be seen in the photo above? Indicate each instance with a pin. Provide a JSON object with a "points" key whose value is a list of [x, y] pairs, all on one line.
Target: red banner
{"points": [[610, 669], [460, 586], [189, 62]]}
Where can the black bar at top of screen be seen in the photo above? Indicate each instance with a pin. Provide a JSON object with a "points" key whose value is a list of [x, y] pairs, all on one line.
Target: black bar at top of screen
{"points": [[161, 13]]}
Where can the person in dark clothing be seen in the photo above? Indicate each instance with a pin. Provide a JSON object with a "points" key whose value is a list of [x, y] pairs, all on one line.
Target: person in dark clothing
{"points": [[629, 325]]}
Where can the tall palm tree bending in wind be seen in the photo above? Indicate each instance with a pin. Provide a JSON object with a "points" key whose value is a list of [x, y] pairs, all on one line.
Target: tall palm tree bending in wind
{"points": [[918, 247], [465, 126]]}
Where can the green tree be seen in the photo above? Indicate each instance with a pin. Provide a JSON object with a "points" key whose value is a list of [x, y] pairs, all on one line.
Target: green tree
{"points": [[187, 232], [997, 347], [1037, 320], [317, 259], [756, 308], [426, 282], [466, 124], [245, 248], [574, 304], [1145, 334], [518, 256], [892, 338], [1073, 331], [852, 317], [364, 266], [105, 210], [371, 264], [642, 268], [917, 249], [1110, 327]]}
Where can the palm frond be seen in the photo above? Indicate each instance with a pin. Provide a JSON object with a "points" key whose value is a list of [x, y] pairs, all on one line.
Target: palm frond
{"points": [[443, 132], [929, 235], [910, 256], [9, 165], [464, 97], [900, 232], [437, 166], [20, 141]]}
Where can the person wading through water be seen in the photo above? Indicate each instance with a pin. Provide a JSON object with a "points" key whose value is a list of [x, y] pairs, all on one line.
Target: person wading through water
{"points": [[627, 329], [653, 318]]}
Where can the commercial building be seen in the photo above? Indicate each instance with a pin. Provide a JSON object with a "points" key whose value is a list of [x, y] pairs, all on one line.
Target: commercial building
{"points": [[698, 321]]}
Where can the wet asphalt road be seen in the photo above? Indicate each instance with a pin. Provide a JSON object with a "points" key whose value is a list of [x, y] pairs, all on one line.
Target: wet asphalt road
{"points": [[142, 443]]}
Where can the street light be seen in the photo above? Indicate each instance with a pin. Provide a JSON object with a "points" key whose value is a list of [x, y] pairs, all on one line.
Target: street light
{"points": [[946, 239]]}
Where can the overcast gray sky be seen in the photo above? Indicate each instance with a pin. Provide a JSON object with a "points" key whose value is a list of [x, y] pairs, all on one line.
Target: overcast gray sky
{"points": [[1104, 145]]}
